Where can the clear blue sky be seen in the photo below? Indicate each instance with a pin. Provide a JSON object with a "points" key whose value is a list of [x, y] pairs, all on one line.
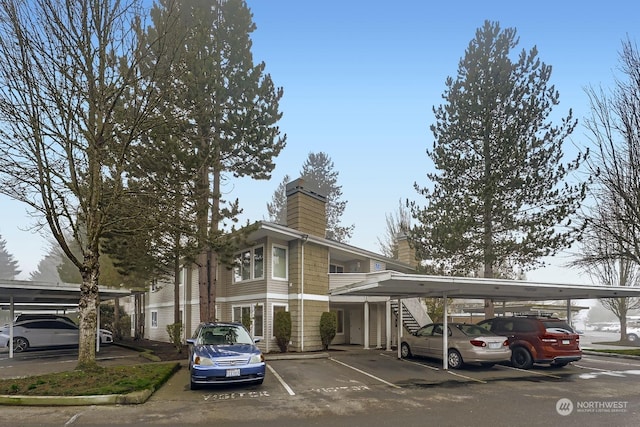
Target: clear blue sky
{"points": [[360, 80]]}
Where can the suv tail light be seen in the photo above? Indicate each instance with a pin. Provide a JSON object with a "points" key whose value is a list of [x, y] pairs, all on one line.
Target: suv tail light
{"points": [[478, 343]]}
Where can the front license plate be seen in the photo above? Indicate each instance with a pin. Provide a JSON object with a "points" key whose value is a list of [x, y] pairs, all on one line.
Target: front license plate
{"points": [[495, 345], [566, 342], [233, 372]]}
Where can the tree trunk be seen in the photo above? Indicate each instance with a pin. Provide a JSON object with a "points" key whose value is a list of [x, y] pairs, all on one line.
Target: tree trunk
{"points": [[88, 307]]}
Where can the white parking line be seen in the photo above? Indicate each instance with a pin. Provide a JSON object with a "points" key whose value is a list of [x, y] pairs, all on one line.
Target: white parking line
{"points": [[365, 373], [466, 377], [529, 371], [411, 361], [284, 384]]}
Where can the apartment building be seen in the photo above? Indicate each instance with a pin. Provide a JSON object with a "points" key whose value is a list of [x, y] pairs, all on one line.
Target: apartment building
{"points": [[292, 267]]}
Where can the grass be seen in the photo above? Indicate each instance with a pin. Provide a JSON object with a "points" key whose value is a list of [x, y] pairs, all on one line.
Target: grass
{"points": [[100, 381], [627, 352]]}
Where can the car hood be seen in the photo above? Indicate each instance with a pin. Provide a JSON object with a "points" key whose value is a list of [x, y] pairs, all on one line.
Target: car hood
{"points": [[228, 350]]}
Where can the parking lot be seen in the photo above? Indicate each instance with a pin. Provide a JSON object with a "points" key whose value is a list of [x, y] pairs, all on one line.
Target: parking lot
{"points": [[371, 387]]}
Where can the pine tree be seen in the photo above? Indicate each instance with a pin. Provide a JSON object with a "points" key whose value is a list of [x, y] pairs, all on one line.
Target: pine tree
{"points": [[226, 108], [47, 270], [8, 266], [277, 209], [319, 174], [501, 195]]}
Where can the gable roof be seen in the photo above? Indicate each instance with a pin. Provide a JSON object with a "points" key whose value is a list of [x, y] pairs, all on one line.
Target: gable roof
{"points": [[339, 251]]}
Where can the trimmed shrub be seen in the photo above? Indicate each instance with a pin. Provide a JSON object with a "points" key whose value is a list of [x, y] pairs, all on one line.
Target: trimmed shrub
{"points": [[328, 328], [282, 329]]}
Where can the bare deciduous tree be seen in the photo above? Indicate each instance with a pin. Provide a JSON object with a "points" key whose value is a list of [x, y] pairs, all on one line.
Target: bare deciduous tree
{"points": [[615, 128], [610, 250], [72, 103]]}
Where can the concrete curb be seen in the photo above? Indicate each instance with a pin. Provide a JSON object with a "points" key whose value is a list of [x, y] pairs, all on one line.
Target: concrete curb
{"points": [[605, 354], [134, 398], [295, 356]]}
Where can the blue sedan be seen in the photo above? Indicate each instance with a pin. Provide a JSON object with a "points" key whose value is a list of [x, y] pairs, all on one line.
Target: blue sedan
{"points": [[224, 353]]}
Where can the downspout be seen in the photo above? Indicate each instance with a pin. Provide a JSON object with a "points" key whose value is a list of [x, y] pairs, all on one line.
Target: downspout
{"points": [[303, 239]]}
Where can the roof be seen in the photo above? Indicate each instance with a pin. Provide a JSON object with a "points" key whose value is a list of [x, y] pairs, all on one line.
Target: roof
{"points": [[339, 251], [399, 285], [47, 293]]}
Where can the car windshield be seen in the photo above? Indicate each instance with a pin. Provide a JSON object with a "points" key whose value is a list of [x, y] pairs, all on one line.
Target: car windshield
{"points": [[224, 335], [473, 330]]}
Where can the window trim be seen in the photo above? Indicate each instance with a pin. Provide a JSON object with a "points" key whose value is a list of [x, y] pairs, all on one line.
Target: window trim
{"points": [[252, 313], [238, 268]]}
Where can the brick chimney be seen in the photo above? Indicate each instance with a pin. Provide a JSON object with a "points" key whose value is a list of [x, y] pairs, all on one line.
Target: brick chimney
{"points": [[306, 210]]}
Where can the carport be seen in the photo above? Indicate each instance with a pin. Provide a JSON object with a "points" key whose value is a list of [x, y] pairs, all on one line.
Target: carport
{"points": [[396, 285], [29, 295]]}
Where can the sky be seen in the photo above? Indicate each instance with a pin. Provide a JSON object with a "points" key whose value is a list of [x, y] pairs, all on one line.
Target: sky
{"points": [[360, 81]]}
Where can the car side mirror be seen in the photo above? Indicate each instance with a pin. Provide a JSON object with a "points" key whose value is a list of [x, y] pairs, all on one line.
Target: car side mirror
{"points": [[256, 340], [191, 341]]}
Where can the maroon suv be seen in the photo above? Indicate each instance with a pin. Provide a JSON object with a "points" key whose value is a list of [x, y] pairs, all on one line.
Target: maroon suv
{"points": [[537, 340]]}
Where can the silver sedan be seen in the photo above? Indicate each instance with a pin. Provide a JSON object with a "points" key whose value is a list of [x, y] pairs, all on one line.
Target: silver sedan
{"points": [[467, 344]]}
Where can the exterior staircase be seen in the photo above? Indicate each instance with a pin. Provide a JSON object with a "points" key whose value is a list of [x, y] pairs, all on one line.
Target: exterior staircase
{"points": [[408, 319]]}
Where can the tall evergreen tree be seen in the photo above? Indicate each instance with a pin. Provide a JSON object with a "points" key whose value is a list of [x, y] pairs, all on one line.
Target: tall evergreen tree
{"points": [[47, 270], [277, 208], [227, 109], [8, 266], [398, 222], [501, 194], [319, 174]]}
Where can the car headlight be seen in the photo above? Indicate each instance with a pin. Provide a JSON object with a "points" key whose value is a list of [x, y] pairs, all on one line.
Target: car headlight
{"points": [[257, 358], [203, 361]]}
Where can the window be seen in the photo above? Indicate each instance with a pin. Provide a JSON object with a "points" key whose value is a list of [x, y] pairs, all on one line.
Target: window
{"points": [[154, 319], [280, 262], [249, 265], [276, 309], [244, 262], [258, 320], [333, 268], [340, 317], [258, 262], [254, 314]]}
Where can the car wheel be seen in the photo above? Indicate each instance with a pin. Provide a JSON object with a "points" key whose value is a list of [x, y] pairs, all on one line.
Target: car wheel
{"points": [[521, 358], [260, 381], [455, 359], [20, 344], [632, 337], [193, 386], [405, 351]]}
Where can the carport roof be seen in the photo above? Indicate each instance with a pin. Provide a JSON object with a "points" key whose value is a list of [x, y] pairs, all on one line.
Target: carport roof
{"points": [[399, 285], [28, 292]]}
